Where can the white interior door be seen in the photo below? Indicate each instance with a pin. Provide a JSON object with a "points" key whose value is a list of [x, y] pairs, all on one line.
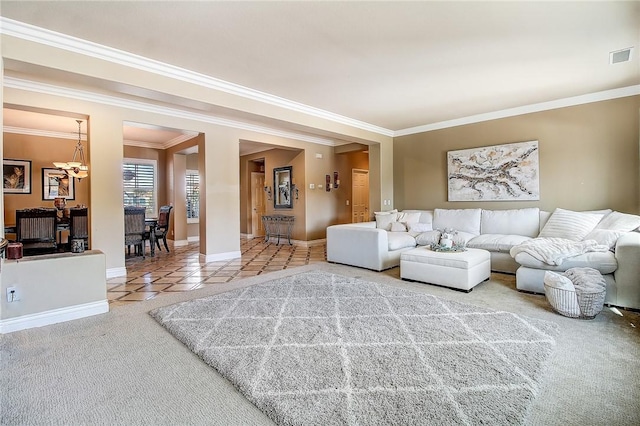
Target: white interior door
{"points": [[258, 206], [360, 195]]}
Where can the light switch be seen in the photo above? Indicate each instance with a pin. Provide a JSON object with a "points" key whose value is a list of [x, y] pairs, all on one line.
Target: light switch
{"points": [[312, 186], [347, 202]]}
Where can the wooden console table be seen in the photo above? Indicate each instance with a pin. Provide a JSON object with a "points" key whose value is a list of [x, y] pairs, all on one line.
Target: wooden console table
{"points": [[278, 225]]}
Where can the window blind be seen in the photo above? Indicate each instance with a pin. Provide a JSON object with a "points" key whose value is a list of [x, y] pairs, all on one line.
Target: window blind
{"points": [[139, 186], [193, 195]]}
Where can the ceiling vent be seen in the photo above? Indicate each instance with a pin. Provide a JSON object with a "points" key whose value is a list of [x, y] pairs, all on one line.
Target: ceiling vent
{"points": [[618, 56]]}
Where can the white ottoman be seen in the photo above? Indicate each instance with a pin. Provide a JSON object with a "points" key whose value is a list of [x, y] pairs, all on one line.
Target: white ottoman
{"points": [[460, 270]]}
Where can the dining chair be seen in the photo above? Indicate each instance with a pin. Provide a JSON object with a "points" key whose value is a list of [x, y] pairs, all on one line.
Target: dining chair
{"points": [[134, 229], [79, 225], [36, 230], [162, 228]]}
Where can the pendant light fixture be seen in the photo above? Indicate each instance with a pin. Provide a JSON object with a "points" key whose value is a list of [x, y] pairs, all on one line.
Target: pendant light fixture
{"points": [[73, 168]]}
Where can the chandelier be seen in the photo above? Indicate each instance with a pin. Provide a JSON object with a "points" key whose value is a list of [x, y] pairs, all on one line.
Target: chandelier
{"points": [[73, 168]]}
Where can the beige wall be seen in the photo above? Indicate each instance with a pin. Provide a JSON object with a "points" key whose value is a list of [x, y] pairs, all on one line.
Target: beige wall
{"points": [[588, 158], [40, 151]]}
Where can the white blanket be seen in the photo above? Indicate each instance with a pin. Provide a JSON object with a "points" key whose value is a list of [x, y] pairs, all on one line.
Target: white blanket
{"points": [[553, 251]]}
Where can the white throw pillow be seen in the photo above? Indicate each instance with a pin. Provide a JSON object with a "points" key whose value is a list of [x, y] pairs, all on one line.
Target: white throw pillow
{"points": [[616, 221], [426, 216], [408, 217], [418, 228], [565, 300], [398, 227], [428, 238], [570, 225], [385, 219]]}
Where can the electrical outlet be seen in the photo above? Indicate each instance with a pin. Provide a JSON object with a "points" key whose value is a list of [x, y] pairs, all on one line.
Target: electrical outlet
{"points": [[347, 202], [12, 294]]}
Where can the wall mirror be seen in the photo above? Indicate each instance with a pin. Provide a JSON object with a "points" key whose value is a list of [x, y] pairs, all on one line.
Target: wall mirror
{"points": [[282, 188]]}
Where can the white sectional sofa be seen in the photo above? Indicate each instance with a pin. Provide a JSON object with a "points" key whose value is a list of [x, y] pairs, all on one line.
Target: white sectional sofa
{"points": [[373, 245]]}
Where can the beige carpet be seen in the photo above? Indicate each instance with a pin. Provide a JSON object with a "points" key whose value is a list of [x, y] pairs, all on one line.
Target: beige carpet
{"points": [[124, 368]]}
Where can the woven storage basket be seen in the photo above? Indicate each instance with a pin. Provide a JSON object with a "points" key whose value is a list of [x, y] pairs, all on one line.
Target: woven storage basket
{"points": [[575, 304]]}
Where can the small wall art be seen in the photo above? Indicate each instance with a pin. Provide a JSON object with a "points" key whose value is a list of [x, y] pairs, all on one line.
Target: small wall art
{"points": [[508, 172], [16, 176]]}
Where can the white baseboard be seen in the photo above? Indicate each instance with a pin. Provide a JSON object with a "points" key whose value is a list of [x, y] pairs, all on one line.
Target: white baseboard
{"points": [[219, 256], [53, 316], [116, 272], [193, 239], [180, 243]]}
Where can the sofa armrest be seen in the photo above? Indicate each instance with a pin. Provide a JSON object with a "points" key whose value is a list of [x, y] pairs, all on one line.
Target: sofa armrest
{"points": [[358, 244], [627, 276]]}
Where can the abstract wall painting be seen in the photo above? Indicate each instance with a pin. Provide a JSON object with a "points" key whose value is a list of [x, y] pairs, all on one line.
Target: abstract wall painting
{"points": [[508, 172]]}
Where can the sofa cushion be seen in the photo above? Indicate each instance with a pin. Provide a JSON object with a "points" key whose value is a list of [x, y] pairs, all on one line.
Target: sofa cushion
{"points": [[428, 238], [496, 242], [605, 262], [384, 219], [398, 227], [416, 229], [400, 240], [570, 225], [461, 238], [604, 237], [511, 222], [465, 220]]}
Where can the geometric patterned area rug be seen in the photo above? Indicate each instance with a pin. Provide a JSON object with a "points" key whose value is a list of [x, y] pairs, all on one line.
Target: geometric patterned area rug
{"points": [[325, 349]]}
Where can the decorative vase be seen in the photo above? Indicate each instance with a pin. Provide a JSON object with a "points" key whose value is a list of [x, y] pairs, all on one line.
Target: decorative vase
{"points": [[14, 251], [446, 240], [60, 203], [77, 245]]}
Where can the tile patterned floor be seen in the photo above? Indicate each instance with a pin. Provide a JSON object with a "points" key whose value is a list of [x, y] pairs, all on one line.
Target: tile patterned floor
{"points": [[181, 269]]}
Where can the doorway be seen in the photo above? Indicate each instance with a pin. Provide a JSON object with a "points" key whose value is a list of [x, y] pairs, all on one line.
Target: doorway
{"points": [[360, 195], [258, 203]]}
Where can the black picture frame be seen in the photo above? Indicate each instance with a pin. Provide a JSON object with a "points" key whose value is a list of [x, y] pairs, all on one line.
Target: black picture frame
{"points": [[16, 176], [282, 196], [57, 184]]}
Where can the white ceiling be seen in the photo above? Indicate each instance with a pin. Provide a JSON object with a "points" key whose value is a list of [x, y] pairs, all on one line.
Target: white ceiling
{"points": [[395, 65]]}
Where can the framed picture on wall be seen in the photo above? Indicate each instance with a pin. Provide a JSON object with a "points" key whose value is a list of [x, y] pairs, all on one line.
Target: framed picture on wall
{"points": [[56, 184], [16, 176]]}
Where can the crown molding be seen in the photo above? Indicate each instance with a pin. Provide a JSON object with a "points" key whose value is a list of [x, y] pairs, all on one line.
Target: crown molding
{"points": [[173, 142], [527, 109], [49, 89], [73, 44], [43, 133]]}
